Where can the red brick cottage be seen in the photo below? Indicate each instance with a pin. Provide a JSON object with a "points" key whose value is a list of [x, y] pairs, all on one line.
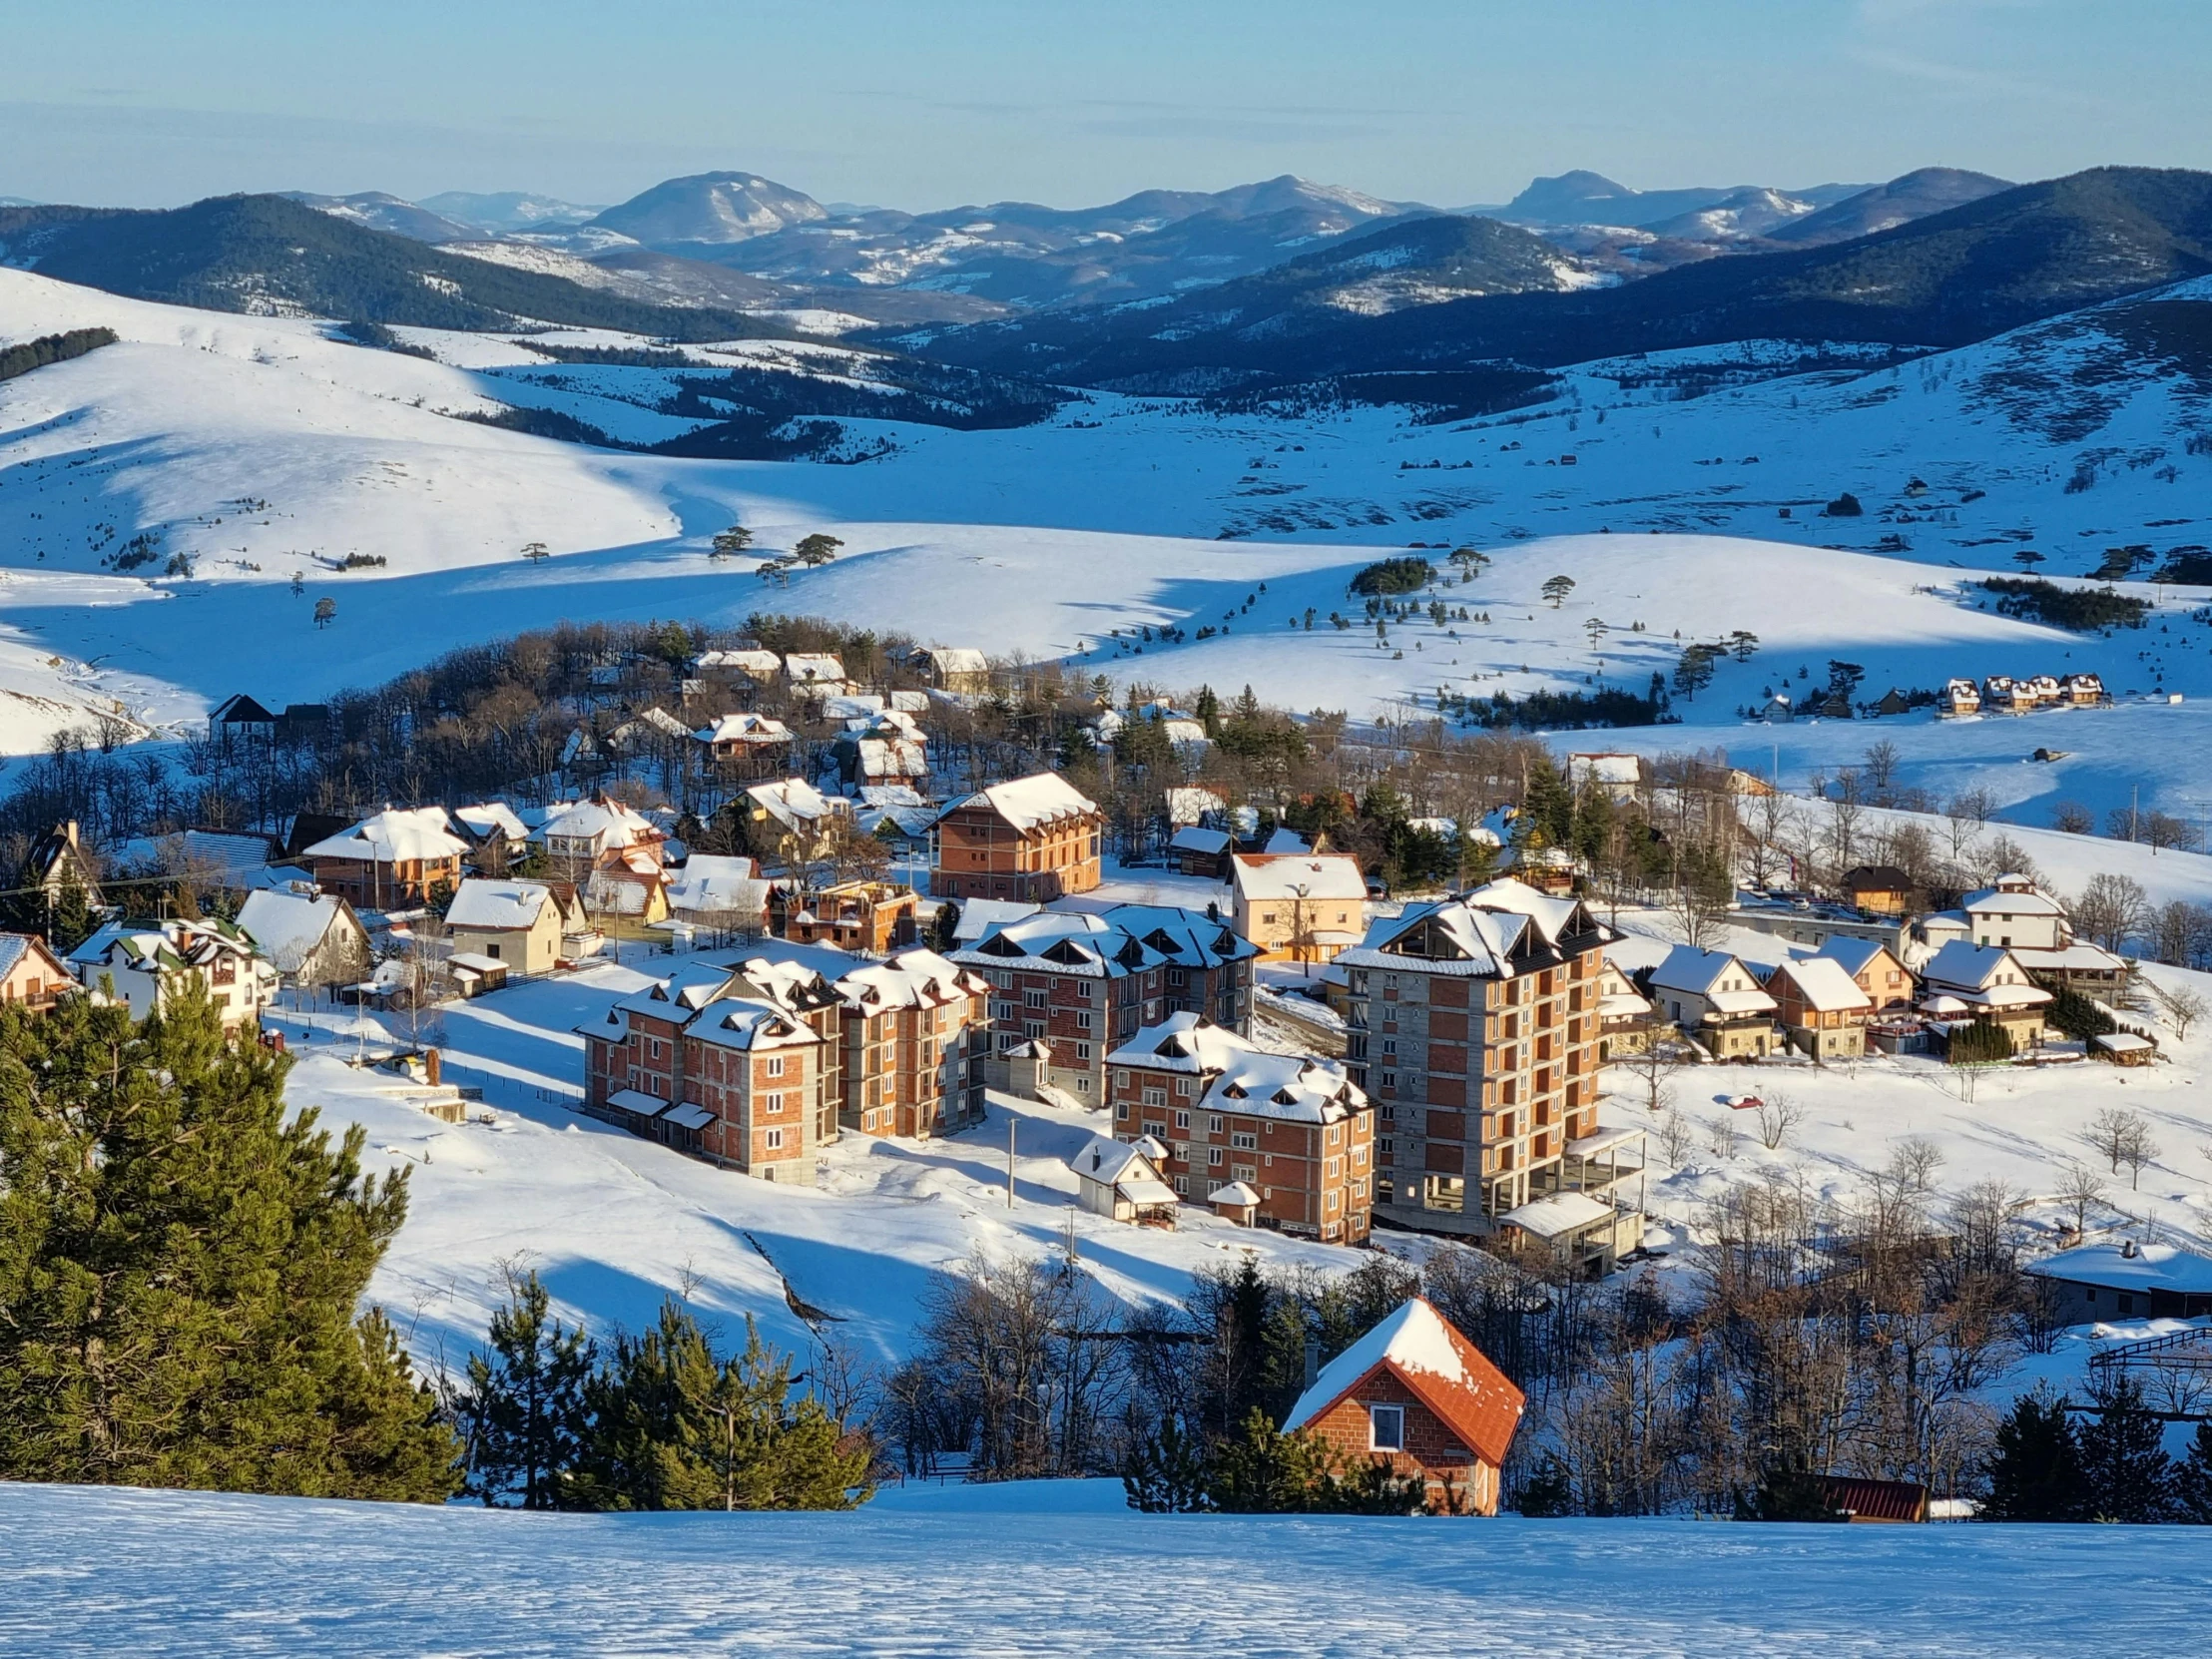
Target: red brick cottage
{"points": [[1416, 1393]]}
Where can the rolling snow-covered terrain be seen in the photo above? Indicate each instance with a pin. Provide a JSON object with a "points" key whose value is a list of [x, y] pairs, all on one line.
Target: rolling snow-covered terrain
{"points": [[262, 447], [1060, 1568]]}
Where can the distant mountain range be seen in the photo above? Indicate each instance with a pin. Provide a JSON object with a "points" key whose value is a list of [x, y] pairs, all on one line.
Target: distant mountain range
{"points": [[1947, 279]]}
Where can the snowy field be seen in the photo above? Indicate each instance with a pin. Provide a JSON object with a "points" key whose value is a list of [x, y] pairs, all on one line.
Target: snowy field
{"points": [[261, 447], [95, 1571]]}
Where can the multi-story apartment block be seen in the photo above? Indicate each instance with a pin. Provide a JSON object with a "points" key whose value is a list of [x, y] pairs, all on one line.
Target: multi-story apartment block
{"points": [[1081, 983], [1475, 1030], [727, 1078], [805, 996], [1033, 838], [914, 1033], [1293, 1129]]}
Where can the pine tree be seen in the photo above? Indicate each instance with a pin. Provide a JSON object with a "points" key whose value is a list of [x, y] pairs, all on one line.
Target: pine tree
{"points": [[2037, 1474], [1551, 1491], [524, 1405], [2124, 1465], [181, 1265], [1166, 1474], [1790, 1489], [2192, 1483]]}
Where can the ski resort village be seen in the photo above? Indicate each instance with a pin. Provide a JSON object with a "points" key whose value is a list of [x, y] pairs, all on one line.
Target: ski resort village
{"points": [[1250, 854]]}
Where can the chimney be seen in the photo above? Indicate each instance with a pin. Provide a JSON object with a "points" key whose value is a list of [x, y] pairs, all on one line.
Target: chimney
{"points": [[1313, 1360], [69, 832]]}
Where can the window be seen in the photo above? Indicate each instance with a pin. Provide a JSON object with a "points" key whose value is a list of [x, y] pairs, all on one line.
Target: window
{"points": [[1082, 1051], [1121, 1112], [1082, 1085], [1213, 1124], [774, 1066], [774, 1140], [1082, 1019], [1121, 1080], [1244, 1141], [1182, 1120], [1033, 999], [772, 1104], [1386, 1428], [1155, 1097], [1215, 1156]]}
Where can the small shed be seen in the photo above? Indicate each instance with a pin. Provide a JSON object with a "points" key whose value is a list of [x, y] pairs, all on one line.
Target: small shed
{"points": [[473, 975], [1873, 1501], [1238, 1201], [2123, 1048]]}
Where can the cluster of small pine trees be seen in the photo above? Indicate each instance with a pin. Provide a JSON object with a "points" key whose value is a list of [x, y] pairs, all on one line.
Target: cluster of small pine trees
{"points": [[1262, 1471], [180, 1268], [2113, 1466], [655, 1422]]}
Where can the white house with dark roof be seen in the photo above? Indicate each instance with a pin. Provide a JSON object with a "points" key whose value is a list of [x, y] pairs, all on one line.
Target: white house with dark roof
{"points": [[1116, 1179]]}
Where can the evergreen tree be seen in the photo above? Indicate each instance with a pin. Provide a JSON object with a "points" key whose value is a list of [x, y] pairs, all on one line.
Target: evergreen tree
{"points": [[2124, 1467], [524, 1405], [1551, 1491], [1789, 1489], [2192, 1480], [181, 1266], [676, 1428], [1166, 1474], [2037, 1474], [1208, 710]]}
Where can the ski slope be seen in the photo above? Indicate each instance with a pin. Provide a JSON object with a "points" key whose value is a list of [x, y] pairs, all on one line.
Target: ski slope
{"points": [[1055, 1569]]}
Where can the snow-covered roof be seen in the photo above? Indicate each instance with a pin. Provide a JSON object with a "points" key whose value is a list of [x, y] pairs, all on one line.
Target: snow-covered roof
{"points": [[1286, 843], [712, 882], [1699, 972], [1183, 1043], [288, 926], [2151, 1267], [1445, 1371], [2122, 1042], [746, 727], [757, 663], [1983, 973], [1322, 875], [2078, 957], [802, 666], [1824, 983], [2011, 901], [1550, 914], [1605, 769], [1192, 806], [1033, 803], [601, 821], [980, 916], [485, 816], [1556, 1215], [909, 979], [1483, 941], [1853, 955], [397, 834], [954, 659], [1207, 842], [741, 1022], [1288, 1088], [888, 758], [480, 905], [793, 802], [1124, 1168]]}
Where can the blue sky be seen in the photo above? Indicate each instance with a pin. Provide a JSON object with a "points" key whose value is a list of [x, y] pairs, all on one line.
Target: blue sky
{"points": [[924, 105]]}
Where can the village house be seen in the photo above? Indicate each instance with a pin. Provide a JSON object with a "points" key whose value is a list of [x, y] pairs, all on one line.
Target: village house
{"points": [[814, 675], [1474, 1031], [884, 750], [727, 1078], [150, 964], [397, 859], [1823, 1011], [240, 722], [1294, 1128], [748, 745], [2016, 914], [59, 861], [792, 819], [2083, 691], [1627, 1023], [915, 1032], [960, 669], [870, 917], [1965, 983], [32, 977], [518, 923], [2125, 1281], [1200, 851], [1035, 838], [616, 858], [1875, 968], [1080, 983], [314, 941], [495, 831], [1880, 889], [1303, 907], [1617, 777], [1716, 1001], [1416, 1393], [649, 731], [1119, 1181], [1960, 696], [720, 894]]}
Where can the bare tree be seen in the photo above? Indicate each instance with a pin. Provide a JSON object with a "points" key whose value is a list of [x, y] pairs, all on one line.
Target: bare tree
{"points": [[2182, 1006], [1651, 1067], [1882, 765], [1721, 1134], [2080, 1188], [2111, 910], [2120, 1136], [1913, 1160], [1674, 1137], [1778, 1116]]}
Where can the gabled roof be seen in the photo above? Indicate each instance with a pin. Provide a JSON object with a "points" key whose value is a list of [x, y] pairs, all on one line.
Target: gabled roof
{"points": [[1124, 1168], [805, 666], [1444, 1370], [1277, 876], [601, 819], [241, 710], [1853, 954], [746, 727], [1822, 983], [2152, 1267], [395, 835], [910, 979], [479, 903], [1037, 801], [286, 926], [2014, 901], [486, 817], [980, 916]]}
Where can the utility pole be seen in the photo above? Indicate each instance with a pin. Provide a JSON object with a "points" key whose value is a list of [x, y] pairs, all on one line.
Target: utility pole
{"points": [[1010, 1121]]}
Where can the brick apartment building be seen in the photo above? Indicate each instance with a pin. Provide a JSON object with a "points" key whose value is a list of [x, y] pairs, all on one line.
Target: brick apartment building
{"points": [[915, 1030], [1082, 983], [1475, 1030], [727, 1078], [1033, 838], [1293, 1129]]}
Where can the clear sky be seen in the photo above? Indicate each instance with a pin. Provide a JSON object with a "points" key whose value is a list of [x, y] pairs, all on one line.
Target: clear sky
{"points": [[934, 103]]}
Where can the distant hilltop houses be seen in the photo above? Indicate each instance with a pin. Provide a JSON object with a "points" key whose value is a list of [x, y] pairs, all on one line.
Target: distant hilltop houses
{"points": [[2003, 694]]}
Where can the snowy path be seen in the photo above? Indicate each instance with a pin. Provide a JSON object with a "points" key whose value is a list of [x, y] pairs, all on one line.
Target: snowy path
{"points": [[154, 1574]]}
